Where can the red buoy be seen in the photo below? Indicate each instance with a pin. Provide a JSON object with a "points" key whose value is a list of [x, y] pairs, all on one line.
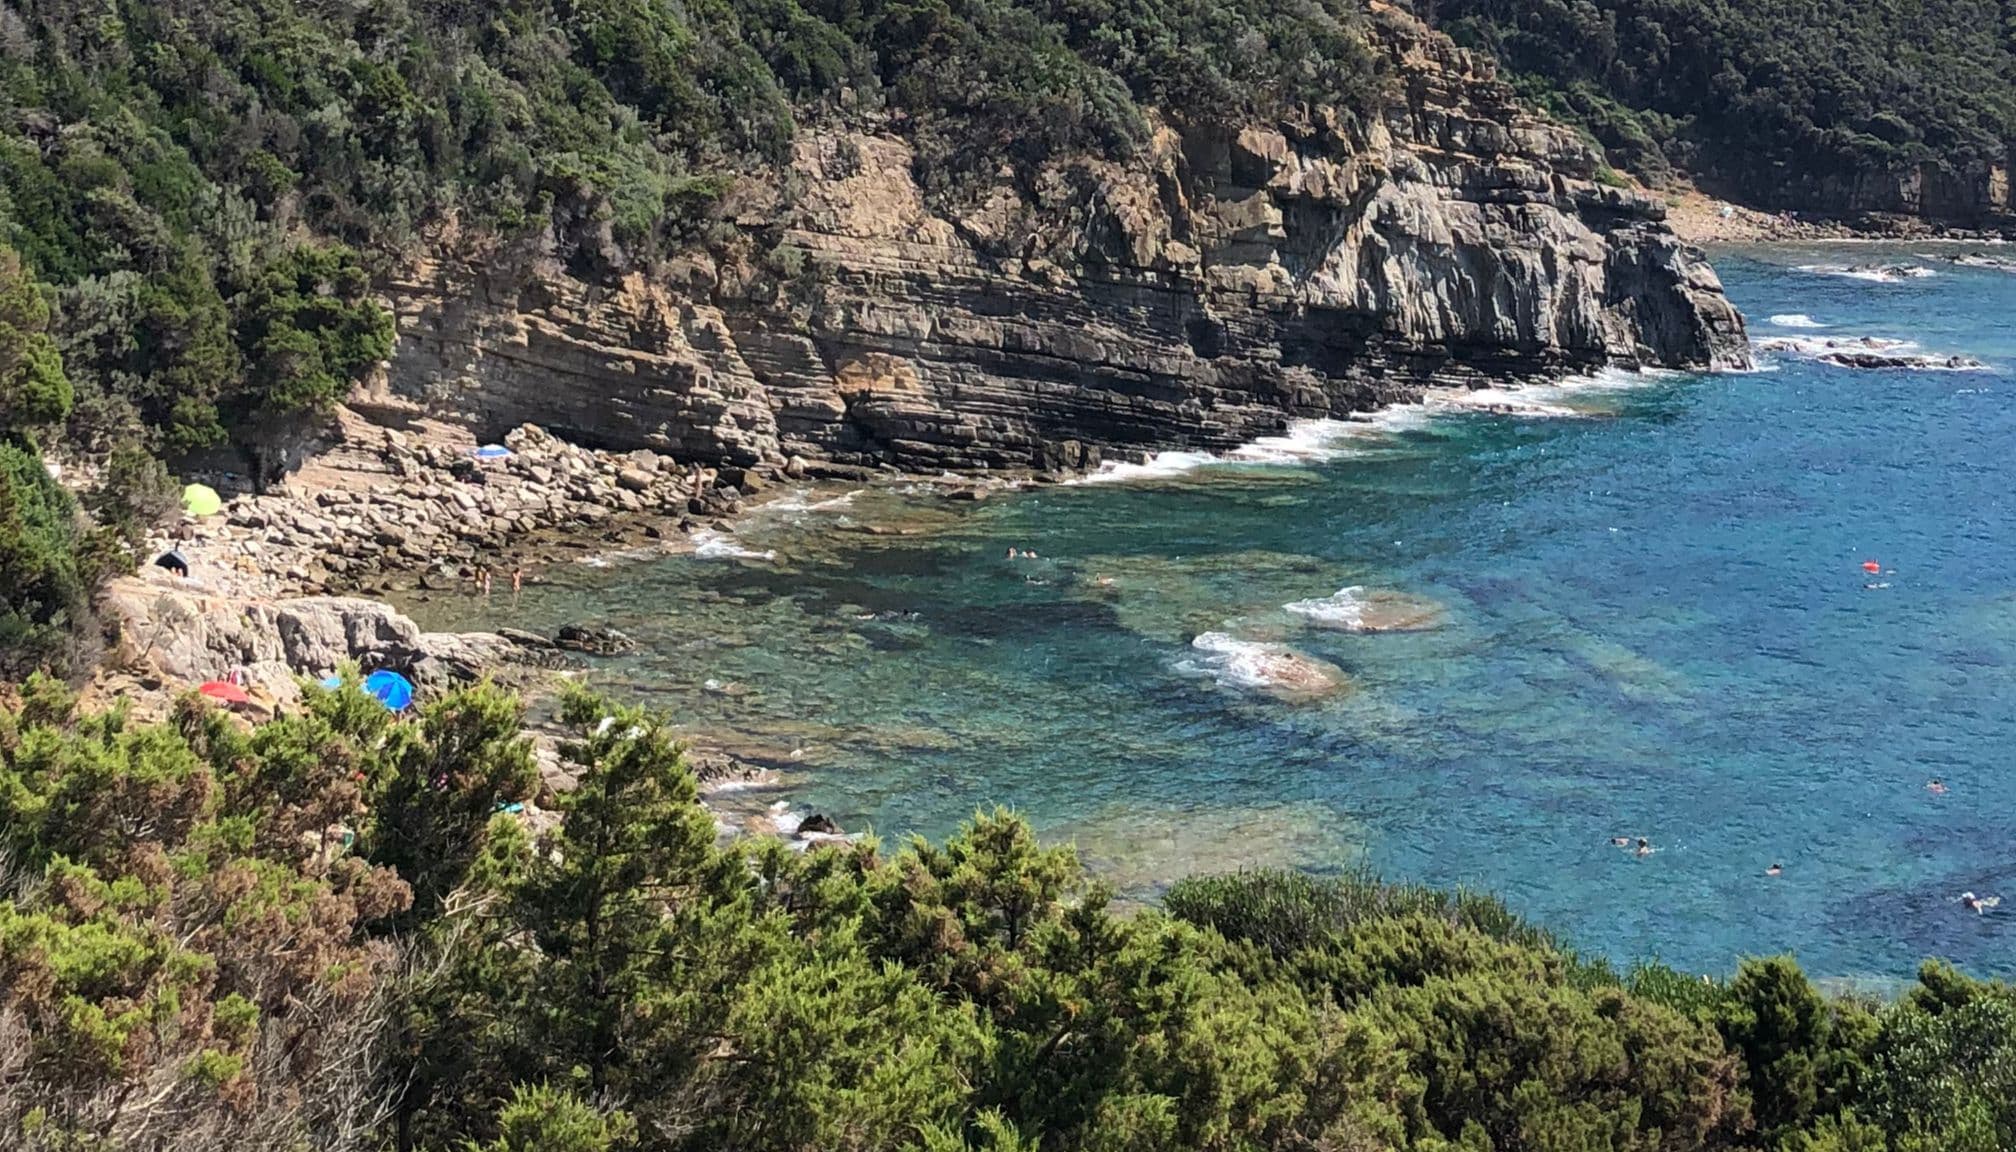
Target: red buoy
{"points": [[1871, 567]]}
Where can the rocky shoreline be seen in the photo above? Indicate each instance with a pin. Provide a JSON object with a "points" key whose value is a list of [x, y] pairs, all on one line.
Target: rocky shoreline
{"points": [[383, 508], [1702, 219]]}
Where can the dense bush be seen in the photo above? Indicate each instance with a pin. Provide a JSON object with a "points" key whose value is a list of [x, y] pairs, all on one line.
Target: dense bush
{"points": [[324, 934], [1784, 103], [46, 571], [44, 591]]}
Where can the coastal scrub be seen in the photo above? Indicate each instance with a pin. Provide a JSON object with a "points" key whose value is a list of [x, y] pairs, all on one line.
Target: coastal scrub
{"points": [[324, 932]]}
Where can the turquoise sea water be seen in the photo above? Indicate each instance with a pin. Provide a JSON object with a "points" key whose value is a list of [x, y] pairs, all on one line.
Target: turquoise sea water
{"points": [[1651, 620]]}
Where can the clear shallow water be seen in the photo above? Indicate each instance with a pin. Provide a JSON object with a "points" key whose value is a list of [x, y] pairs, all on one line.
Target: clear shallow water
{"points": [[1653, 621]]}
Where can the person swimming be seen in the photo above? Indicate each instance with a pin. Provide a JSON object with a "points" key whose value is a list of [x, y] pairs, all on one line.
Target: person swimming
{"points": [[1620, 841], [1775, 870], [1645, 847], [1936, 786], [1978, 905]]}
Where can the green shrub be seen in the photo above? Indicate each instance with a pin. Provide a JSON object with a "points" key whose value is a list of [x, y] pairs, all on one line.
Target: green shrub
{"points": [[191, 916]]}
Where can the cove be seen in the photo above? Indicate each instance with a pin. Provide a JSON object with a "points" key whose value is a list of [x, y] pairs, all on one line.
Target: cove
{"points": [[1648, 617]]}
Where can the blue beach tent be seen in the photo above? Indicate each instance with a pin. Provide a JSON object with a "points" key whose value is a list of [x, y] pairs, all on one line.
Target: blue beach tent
{"points": [[390, 688], [387, 687]]}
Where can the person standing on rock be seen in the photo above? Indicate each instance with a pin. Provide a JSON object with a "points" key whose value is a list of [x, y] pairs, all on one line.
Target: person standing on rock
{"points": [[517, 582], [483, 581]]}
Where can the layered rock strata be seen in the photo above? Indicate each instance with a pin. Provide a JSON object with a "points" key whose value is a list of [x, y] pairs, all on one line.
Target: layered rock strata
{"points": [[1208, 290]]}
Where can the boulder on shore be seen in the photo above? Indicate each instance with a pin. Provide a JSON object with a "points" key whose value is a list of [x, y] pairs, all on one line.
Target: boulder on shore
{"points": [[184, 634]]}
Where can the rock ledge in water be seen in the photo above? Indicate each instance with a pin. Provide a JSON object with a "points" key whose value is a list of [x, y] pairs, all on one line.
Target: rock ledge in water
{"points": [[598, 640]]}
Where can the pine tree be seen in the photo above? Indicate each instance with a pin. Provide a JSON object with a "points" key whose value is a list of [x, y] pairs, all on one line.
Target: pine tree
{"points": [[625, 905]]}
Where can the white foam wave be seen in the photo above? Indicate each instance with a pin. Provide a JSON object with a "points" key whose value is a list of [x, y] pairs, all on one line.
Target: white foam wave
{"points": [[1874, 273], [1869, 352], [1532, 401], [1793, 320], [1234, 663], [1252, 665], [1314, 441], [1305, 441], [1158, 466], [802, 501], [712, 545], [618, 556], [1552, 401], [1809, 347], [1344, 608]]}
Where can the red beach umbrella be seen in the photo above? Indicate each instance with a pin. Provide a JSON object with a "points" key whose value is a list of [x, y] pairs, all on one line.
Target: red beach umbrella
{"points": [[224, 690]]}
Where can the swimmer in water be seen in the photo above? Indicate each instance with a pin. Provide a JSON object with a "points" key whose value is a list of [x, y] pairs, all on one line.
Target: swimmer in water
{"points": [[1011, 553], [1644, 847], [1775, 870], [1936, 786], [1620, 841], [1978, 905]]}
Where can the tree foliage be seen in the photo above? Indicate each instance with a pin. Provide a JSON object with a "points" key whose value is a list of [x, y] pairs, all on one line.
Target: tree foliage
{"points": [[1784, 103], [324, 933]]}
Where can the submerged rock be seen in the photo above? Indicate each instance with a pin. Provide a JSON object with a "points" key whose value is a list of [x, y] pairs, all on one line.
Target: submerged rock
{"points": [[1357, 609], [1902, 360], [1274, 669], [1983, 260], [1875, 352], [1891, 271], [596, 640]]}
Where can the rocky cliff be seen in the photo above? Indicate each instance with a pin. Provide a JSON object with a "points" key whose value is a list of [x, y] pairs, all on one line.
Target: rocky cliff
{"points": [[1216, 285], [1979, 197]]}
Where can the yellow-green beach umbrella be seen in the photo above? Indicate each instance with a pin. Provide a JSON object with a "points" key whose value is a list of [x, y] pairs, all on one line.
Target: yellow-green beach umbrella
{"points": [[201, 500]]}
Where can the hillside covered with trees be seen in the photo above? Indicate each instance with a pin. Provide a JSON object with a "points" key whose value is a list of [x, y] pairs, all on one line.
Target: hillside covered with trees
{"points": [[1778, 103], [329, 933], [195, 197]]}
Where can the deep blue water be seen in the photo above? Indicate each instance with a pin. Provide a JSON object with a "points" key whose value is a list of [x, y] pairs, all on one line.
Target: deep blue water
{"points": [[1654, 622]]}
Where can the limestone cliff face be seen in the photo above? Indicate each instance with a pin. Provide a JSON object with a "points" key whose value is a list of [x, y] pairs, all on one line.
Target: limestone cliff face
{"points": [[1206, 291]]}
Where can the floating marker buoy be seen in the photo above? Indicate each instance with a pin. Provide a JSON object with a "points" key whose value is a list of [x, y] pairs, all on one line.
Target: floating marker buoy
{"points": [[1871, 567]]}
